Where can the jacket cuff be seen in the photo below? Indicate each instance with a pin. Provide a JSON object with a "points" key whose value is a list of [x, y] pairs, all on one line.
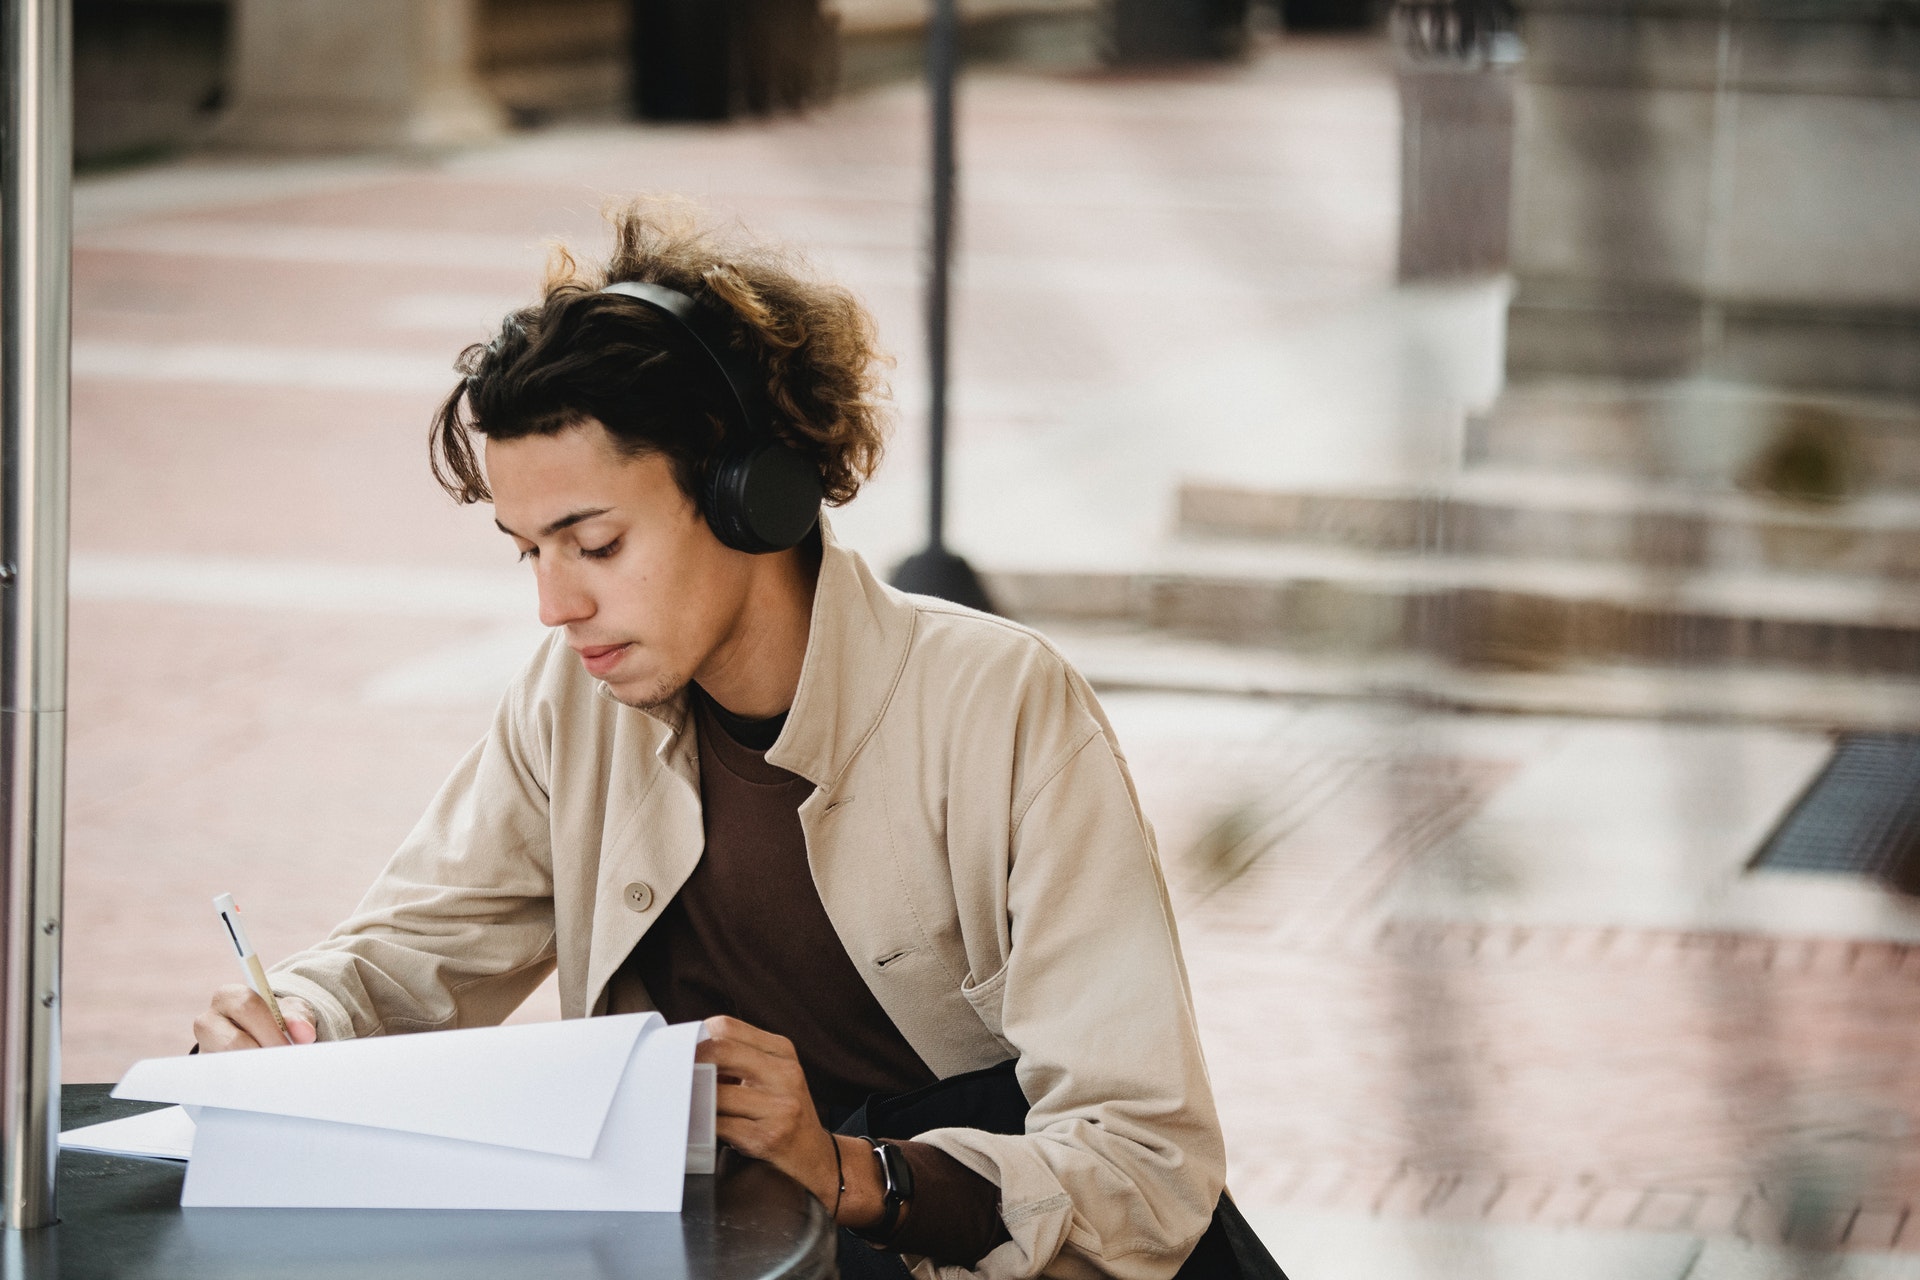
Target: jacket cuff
{"points": [[1036, 1209], [335, 1023], [955, 1214]]}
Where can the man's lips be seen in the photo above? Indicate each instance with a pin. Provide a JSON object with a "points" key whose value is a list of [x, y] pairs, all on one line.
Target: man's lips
{"points": [[601, 658]]}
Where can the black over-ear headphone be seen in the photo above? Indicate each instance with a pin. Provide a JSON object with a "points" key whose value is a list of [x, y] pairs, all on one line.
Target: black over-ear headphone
{"points": [[761, 493]]}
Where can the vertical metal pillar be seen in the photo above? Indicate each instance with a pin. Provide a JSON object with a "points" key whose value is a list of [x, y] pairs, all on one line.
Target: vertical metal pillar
{"points": [[943, 57], [936, 571], [36, 221]]}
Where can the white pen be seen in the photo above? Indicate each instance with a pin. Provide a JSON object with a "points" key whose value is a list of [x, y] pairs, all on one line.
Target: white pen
{"points": [[250, 962]]}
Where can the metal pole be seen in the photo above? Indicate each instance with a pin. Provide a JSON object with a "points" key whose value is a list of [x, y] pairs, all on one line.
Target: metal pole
{"points": [[36, 208], [943, 56], [937, 571]]}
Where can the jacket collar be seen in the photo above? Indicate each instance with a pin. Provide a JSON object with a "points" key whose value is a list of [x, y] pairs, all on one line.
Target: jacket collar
{"points": [[857, 645]]}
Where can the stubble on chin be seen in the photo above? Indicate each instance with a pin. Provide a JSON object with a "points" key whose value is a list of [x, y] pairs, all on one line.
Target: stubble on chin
{"points": [[663, 690]]}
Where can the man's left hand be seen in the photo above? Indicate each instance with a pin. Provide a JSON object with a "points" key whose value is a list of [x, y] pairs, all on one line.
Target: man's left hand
{"points": [[764, 1109]]}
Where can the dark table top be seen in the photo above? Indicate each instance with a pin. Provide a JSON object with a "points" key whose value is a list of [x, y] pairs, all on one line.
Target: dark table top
{"points": [[121, 1218]]}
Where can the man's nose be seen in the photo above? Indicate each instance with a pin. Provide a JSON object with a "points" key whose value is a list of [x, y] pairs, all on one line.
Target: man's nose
{"points": [[562, 602]]}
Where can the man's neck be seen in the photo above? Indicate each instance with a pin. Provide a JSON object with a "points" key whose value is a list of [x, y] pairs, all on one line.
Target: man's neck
{"points": [[756, 671]]}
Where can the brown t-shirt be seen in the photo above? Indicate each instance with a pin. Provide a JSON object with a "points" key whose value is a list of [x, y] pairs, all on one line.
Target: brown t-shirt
{"points": [[747, 936]]}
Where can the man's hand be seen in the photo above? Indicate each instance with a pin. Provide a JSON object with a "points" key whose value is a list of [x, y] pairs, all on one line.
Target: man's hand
{"points": [[239, 1019], [765, 1111]]}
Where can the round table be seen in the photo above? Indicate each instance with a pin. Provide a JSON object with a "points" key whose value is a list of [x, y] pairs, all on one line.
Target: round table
{"points": [[121, 1218]]}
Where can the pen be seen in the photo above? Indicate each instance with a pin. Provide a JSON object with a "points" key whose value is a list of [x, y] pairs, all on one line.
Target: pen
{"points": [[249, 962]]}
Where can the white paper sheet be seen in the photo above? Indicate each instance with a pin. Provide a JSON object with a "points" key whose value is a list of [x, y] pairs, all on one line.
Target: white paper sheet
{"points": [[166, 1134], [472, 1084], [638, 1164], [415, 1121]]}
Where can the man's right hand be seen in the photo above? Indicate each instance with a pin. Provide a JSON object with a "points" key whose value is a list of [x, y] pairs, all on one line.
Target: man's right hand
{"points": [[239, 1019]]}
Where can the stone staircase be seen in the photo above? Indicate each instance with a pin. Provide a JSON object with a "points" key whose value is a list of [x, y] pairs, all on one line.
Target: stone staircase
{"points": [[547, 60], [1585, 557]]}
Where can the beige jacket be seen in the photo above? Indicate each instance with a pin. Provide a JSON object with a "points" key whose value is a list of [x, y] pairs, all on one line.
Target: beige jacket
{"points": [[977, 843]]}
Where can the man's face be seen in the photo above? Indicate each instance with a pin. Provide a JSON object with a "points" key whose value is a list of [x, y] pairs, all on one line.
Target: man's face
{"points": [[624, 560]]}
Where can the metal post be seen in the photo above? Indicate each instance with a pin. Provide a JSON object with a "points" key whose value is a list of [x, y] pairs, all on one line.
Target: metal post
{"points": [[36, 165], [942, 64], [937, 571]]}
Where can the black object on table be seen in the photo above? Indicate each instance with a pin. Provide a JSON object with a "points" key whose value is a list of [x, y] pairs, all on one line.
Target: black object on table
{"points": [[121, 1217]]}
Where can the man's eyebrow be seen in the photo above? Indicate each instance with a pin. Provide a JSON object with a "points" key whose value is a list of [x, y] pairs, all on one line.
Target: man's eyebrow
{"points": [[564, 522]]}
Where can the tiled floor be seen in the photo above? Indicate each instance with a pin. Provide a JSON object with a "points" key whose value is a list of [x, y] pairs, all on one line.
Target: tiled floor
{"points": [[1454, 980], [1480, 970]]}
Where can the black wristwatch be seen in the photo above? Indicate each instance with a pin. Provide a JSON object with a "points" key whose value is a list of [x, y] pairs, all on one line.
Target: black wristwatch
{"points": [[897, 1174]]}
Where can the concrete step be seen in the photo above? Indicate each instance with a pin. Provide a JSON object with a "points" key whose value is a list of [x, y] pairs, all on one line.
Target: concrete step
{"points": [[1486, 612], [1706, 435], [1580, 517], [884, 41], [549, 59], [1122, 657]]}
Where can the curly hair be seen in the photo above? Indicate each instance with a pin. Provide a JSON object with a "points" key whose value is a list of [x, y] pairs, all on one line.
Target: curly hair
{"points": [[579, 355]]}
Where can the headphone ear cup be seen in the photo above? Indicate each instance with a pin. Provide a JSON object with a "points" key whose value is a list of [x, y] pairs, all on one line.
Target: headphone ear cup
{"points": [[763, 498]]}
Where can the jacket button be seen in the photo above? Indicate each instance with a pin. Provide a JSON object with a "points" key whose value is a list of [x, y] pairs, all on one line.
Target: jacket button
{"points": [[639, 896]]}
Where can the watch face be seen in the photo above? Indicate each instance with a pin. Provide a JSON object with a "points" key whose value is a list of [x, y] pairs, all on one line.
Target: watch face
{"points": [[895, 1172], [899, 1172]]}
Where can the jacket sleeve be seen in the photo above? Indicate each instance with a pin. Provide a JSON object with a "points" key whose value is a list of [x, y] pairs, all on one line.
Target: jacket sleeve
{"points": [[458, 929], [1122, 1161]]}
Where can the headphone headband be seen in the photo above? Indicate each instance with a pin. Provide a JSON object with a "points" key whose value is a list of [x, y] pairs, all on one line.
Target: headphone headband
{"points": [[761, 494], [747, 396]]}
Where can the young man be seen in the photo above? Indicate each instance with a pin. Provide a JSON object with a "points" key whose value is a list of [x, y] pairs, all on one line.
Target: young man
{"points": [[886, 846]]}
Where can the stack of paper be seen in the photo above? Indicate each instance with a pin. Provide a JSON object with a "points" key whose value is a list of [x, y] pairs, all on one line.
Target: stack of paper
{"points": [[594, 1113], [166, 1134]]}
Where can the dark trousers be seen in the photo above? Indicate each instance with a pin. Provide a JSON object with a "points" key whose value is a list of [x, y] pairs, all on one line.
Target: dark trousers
{"points": [[991, 1100]]}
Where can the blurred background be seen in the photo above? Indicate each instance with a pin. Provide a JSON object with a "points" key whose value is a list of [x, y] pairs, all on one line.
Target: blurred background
{"points": [[1474, 447]]}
